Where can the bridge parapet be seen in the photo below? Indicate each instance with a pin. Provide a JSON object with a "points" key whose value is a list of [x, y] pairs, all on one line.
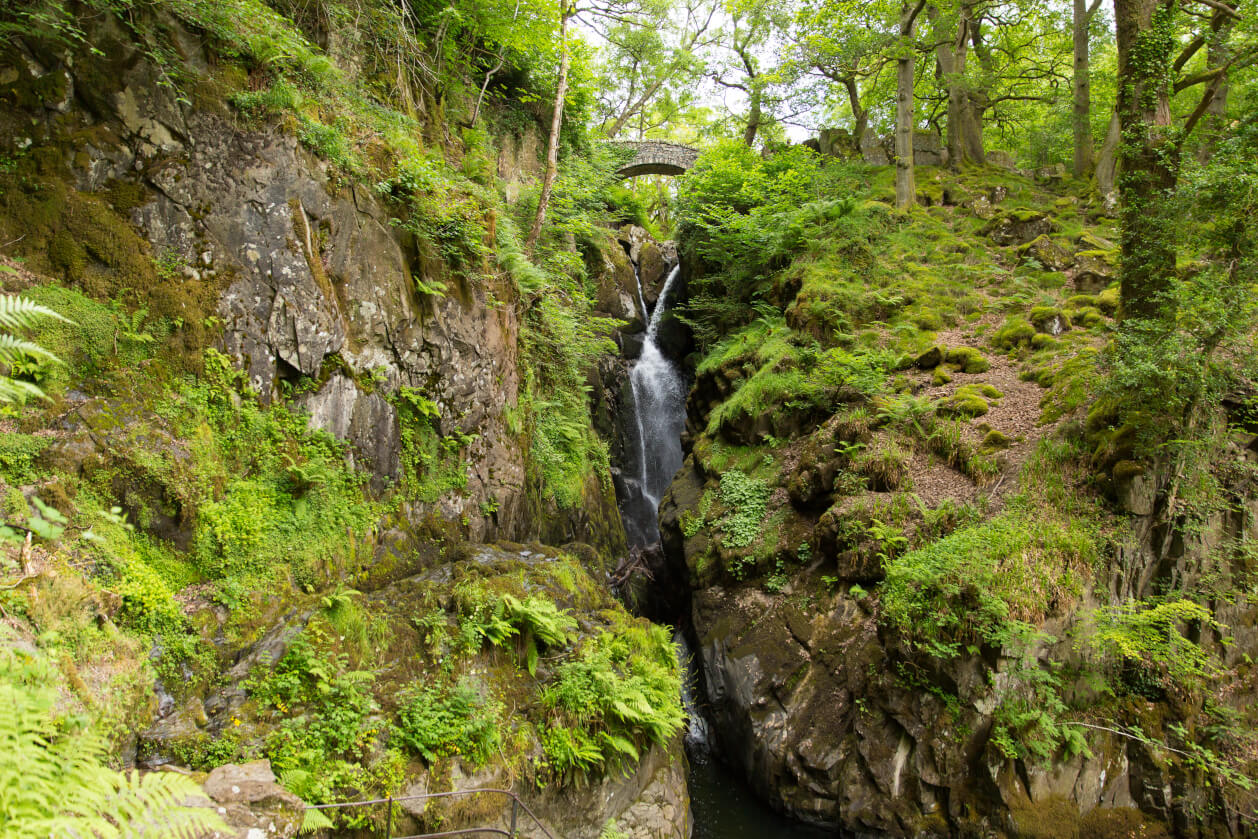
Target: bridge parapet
{"points": [[657, 157]]}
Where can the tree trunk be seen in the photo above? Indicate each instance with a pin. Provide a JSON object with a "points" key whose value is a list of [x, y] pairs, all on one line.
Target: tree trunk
{"points": [[1150, 154], [1081, 84], [552, 148], [860, 115], [754, 117], [965, 126], [1107, 160], [905, 180]]}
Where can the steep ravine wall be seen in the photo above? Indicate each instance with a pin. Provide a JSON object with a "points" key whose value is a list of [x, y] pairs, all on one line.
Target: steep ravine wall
{"points": [[306, 273], [295, 274]]}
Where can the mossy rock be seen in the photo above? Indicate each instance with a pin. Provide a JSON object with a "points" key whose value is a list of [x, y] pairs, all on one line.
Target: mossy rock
{"points": [[1121, 823], [994, 441], [968, 401], [1107, 301], [1015, 332], [930, 359], [1049, 319], [967, 360], [1052, 818], [1090, 241], [1078, 301], [1043, 341], [1088, 316], [942, 376], [928, 320], [1047, 253]]}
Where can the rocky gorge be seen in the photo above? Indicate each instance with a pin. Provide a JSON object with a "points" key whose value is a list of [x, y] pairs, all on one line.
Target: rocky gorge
{"points": [[330, 484]]}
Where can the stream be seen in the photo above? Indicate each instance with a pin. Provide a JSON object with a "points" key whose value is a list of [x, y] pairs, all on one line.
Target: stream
{"points": [[723, 806]]}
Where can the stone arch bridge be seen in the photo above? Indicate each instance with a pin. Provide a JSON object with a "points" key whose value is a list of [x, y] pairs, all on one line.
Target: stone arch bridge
{"points": [[656, 157]]}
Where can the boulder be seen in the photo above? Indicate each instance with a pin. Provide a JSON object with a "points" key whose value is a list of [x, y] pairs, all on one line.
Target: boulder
{"points": [[1094, 270], [835, 142], [1018, 227], [928, 149], [252, 803], [874, 150], [1047, 253], [1001, 159]]}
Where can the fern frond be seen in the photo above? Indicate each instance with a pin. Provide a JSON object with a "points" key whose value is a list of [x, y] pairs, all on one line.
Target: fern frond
{"points": [[13, 349], [20, 313], [314, 820]]}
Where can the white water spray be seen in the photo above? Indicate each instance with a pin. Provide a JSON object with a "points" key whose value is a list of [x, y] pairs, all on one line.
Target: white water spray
{"points": [[659, 400]]}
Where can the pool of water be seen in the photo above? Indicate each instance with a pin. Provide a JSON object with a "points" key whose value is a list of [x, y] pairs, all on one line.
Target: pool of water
{"points": [[724, 807]]}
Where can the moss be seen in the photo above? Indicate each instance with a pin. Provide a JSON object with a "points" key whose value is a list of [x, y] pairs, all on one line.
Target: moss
{"points": [[968, 405], [1049, 319], [1121, 823], [1125, 470], [1053, 818], [1078, 300], [1044, 341], [995, 440], [1016, 331], [1108, 257], [1107, 301], [1088, 317], [929, 320], [941, 376], [968, 360]]}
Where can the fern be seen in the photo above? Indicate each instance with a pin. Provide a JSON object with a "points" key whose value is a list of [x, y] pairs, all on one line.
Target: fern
{"points": [[53, 781], [20, 313]]}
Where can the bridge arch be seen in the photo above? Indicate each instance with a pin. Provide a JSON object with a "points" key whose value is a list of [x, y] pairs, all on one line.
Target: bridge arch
{"points": [[656, 157]]}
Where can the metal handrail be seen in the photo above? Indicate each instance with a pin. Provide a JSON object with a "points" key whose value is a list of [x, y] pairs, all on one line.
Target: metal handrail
{"points": [[516, 804]]}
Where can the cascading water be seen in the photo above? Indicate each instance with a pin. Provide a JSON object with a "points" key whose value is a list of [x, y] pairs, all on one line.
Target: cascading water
{"points": [[722, 804], [659, 405]]}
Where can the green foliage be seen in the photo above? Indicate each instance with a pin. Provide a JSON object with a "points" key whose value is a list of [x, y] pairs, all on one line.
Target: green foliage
{"points": [[440, 722], [747, 499], [53, 777], [18, 453], [325, 711], [1148, 636], [622, 691], [981, 583], [22, 359]]}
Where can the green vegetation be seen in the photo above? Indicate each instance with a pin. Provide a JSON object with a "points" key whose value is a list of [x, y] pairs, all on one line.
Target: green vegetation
{"points": [[619, 695], [54, 773]]}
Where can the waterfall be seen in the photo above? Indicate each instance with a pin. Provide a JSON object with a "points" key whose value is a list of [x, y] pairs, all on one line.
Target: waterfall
{"points": [[659, 406]]}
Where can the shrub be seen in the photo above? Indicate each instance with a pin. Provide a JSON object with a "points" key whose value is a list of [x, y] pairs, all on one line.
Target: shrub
{"points": [[969, 587], [621, 692]]}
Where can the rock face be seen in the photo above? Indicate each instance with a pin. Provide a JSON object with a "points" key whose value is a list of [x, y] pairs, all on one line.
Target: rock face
{"points": [[833, 721], [308, 279], [254, 806]]}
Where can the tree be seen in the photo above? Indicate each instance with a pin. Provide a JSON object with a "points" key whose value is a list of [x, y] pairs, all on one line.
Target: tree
{"points": [[848, 44], [905, 177], [645, 63], [1081, 85], [1150, 73], [566, 12]]}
